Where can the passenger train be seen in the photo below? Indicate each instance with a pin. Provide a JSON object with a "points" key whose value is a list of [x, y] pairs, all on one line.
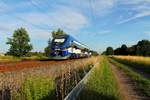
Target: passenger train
{"points": [[66, 47]]}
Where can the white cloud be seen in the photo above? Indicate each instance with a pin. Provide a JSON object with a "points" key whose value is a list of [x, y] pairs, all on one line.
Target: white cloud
{"points": [[147, 33], [3, 28], [104, 32], [103, 7], [97, 7], [134, 1], [63, 17], [141, 7], [6, 6], [39, 34], [147, 13]]}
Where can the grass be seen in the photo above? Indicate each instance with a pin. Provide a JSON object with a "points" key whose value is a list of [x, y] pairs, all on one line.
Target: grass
{"points": [[142, 63], [101, 84], [34, 58], [11, 58], [36, 88], [142, 84]]}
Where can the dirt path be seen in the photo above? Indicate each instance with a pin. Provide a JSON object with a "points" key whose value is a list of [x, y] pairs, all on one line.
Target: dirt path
{"points": [[126, 85], [143, 74]]}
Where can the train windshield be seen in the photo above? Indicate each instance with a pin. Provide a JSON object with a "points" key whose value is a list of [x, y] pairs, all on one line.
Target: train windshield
{"points": [[59, 40]]}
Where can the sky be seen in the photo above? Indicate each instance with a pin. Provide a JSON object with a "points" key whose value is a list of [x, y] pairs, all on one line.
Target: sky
{"points": [[95, 23]]}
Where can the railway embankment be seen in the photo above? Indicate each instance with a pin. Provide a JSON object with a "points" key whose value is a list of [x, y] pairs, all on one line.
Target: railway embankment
{"points": [[52, 80]]}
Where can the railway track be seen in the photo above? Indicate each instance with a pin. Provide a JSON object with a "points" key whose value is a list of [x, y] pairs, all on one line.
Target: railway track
{"points": [[19, 65]]}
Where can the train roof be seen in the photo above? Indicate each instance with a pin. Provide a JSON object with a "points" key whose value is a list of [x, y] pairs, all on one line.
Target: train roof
{"points": [[61, 36], [73, 39]]}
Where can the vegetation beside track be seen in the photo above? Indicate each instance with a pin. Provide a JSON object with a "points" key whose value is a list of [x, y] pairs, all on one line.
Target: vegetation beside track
{"points": [[9, 58], [142, 63], [12, 58], [142, 84], [30, 84], [36, 88], [101, 85]]}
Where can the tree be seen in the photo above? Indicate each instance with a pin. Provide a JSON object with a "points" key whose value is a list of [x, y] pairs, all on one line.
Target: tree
{"points": [[103, 53], [94, 53], [19, 43], [131, 50], [57, 32], [144, 47], [109, 51], [48, 48], [117, 51], [124, 50]]}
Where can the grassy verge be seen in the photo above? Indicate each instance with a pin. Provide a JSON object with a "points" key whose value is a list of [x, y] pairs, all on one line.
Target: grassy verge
{"points": [[36, 88], [142, 84], [11, 58], [101, 84], [35, 58], [142, 63]]}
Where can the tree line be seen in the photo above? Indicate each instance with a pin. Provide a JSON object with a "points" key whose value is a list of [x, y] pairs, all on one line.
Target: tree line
{"points": [[142, 48], [20, 44]]}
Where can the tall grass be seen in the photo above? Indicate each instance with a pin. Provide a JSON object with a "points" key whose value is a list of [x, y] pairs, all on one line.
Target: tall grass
{"points": [[8, 58], [34, 58], [36, 88], [142, 84], [11, 58], [101, 85], [142, 63]]}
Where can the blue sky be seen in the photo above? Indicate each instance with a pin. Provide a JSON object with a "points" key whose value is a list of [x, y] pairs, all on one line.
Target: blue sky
{"points": [[96, 23]]}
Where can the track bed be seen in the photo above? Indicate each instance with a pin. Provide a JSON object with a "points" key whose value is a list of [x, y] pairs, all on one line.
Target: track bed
{"points": [[10, 66]]}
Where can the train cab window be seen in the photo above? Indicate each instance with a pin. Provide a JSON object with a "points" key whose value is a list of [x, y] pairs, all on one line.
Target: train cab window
{"points": [[59, 40]]}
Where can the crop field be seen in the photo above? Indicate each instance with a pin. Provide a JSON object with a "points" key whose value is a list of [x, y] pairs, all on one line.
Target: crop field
{"points": [[110, 79], [135, 59], [141, 63]]}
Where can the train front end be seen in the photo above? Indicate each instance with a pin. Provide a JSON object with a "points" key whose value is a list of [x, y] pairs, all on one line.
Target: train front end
{"points": [[59, 47]]}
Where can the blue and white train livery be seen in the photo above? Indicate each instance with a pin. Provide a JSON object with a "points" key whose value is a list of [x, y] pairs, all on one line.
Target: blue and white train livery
{"points": [[65, 47]]}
